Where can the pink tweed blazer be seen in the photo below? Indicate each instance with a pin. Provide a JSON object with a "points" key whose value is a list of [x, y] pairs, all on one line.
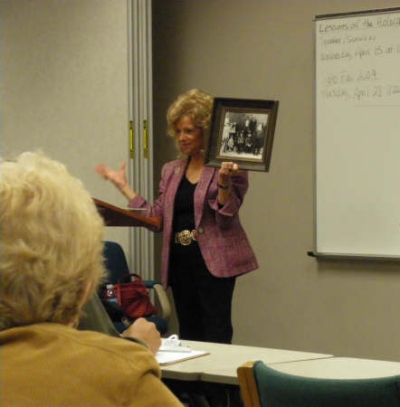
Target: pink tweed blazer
{"points": [[221, 237]]}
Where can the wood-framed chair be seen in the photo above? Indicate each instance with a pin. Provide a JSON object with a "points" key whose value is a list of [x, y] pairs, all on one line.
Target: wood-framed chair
{"points": [[248, 385], [264, 386]]}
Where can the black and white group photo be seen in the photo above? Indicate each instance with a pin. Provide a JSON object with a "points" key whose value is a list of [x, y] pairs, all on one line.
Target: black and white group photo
{"points": [[243, 135]]}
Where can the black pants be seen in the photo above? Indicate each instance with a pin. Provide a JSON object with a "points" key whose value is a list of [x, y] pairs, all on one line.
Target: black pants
{"points": [[203, 302]]}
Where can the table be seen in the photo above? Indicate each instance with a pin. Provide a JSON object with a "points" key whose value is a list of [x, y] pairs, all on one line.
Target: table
{"points": [[341, 368], [221, 364]]}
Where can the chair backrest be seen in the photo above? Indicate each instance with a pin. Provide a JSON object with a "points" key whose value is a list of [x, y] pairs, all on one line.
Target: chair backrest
{"points": [[263, 386], [115, 261]]}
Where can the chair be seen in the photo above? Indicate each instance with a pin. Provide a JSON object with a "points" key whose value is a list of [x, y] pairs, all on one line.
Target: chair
{"points": [[116, 264], [263, 386]]}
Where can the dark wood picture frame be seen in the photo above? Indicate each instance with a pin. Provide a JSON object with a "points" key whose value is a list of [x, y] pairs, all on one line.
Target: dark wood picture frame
{"points": [[242, 131]]}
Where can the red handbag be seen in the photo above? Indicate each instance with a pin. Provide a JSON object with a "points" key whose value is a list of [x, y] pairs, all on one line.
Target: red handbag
{"points": [[133, 297]]}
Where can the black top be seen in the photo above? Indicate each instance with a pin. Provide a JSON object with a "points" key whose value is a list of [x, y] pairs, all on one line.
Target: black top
{"points": [[182, 256], [184, 206]]}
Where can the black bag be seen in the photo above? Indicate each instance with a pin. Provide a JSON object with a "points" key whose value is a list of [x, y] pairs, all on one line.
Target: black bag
{"points": [[114, 311]]}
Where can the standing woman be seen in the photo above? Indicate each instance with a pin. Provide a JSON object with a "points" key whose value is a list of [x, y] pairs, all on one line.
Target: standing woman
{"points": [[204, 244]]}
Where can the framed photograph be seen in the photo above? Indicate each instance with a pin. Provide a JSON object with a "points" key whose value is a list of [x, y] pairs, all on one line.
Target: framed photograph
{"points": [[242, 131]]}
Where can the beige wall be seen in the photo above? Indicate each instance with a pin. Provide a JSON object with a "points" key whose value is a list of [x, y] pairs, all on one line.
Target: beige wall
{"points": [[264, 49], [64, 88]]}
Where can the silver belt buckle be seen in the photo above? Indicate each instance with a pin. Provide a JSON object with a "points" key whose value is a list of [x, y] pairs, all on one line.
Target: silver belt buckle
{"points": [[185, 237]]}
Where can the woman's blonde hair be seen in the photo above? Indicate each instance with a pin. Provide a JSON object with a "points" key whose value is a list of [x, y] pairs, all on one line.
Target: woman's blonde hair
{"points": [[195, 104], [51, 242]]}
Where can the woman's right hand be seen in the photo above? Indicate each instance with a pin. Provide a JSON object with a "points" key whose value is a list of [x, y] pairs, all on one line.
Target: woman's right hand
{"points": [[118, 178], [145, 331]]}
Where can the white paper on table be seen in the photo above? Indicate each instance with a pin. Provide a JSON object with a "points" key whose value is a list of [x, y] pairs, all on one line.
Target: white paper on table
{"points": [[172, 351]]}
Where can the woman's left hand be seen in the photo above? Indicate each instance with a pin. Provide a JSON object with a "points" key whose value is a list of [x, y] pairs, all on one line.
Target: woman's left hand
{"points": [[227, 170]]}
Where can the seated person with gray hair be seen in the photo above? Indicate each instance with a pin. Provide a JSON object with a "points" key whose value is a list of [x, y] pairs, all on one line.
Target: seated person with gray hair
{"points": [[51, 263]]}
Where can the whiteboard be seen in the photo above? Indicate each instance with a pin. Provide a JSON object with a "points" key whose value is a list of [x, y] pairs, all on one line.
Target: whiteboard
{"points": [[357, 134]]}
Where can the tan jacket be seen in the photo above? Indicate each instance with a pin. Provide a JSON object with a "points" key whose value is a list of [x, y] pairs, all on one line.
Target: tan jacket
{"points": [[46, 365]]}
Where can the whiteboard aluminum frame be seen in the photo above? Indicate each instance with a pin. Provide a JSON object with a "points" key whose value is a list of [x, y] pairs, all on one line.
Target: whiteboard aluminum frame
{"points": [[315, 252]]}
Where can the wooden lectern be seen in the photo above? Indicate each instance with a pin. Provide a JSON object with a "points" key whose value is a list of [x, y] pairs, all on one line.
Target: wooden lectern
{"points": [[115, 216]]}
